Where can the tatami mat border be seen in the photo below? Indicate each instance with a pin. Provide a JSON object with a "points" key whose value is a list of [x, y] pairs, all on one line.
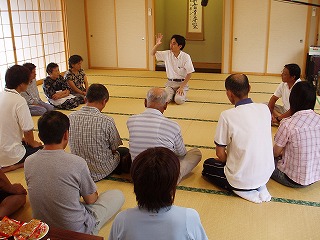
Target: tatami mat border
{"points": [[187, 145], [225, 193], [163, 78], [190, 88], [191, 101], [175, 118]]}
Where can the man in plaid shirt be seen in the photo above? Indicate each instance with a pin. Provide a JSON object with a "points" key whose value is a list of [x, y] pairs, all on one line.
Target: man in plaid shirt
{"points": [[94, 136]]}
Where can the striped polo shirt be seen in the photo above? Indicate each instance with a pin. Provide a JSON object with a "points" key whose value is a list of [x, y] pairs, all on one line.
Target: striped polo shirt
{"points": [[152, 129]]}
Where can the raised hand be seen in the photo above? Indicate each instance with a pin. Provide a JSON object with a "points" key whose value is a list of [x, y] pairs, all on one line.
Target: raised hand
{"points": [[159, 37]]}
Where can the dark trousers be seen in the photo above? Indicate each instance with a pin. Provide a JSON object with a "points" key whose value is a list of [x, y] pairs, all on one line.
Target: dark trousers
{"points": [[213, 171], [29, 150], [125, 161]]}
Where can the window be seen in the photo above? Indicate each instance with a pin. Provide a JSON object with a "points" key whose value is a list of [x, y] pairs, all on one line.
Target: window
{"points": [[31, 31]]}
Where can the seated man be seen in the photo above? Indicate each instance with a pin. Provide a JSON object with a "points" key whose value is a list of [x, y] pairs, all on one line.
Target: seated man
{"points": [[290, 75], [56, 180], [178, 65], [155, 173], [243, 145], [296, 142], [36, 105], [94, 136], [16, 125], [12, 196], [152, 129]]}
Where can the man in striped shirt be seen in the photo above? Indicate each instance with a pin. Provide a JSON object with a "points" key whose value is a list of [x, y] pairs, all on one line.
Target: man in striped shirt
{"points": [[152, 129]]}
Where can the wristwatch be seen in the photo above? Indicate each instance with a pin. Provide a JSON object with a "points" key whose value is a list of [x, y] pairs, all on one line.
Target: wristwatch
{"points": [[278, 119]]}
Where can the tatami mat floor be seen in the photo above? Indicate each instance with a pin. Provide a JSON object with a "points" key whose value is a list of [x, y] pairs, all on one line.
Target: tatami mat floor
{"points": [[292, 213]]}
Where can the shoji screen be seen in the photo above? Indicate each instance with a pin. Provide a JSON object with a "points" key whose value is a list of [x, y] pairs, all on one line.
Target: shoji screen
{"points": [[31, 31]]}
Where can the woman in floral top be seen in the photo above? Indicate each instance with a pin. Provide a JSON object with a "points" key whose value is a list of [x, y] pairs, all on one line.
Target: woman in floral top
{"points": [[57, 91], [76, 77]]}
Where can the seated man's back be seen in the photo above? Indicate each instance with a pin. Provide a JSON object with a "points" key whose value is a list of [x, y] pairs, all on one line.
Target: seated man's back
{"points": [[56, 180], [247, 132], [94, 136], [243, 142], [150, 129]]}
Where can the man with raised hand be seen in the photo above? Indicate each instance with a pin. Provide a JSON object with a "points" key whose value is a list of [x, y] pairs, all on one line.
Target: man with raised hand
{"points": [[179, 67]]}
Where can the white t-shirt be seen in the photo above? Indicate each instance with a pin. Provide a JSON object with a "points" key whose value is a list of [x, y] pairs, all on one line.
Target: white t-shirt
{"points": [[15, 119], [246, 131], [283, 92], [176, 67], [178, 223]]}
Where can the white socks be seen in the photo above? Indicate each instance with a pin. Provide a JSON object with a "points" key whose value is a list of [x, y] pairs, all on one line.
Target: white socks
{"points": [[252, 196], [256, 196], [264, 194]]}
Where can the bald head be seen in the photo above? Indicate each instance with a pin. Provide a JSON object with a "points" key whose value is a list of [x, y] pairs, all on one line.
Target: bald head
{"points": [[238, 84], [156, 97]]}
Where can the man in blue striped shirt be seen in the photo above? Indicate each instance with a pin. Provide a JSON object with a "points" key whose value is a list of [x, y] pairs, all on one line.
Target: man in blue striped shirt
{"points": [[152, 129]]}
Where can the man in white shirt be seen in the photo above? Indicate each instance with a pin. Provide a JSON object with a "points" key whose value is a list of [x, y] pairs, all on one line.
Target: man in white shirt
{"points": [[16, 125], [179, 67], [290, 75], [243, 141]]}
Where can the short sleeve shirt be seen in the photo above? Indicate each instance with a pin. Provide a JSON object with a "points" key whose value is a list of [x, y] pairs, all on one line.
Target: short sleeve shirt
{"points": [[246, 131], [15, 119], [299, 135], [283, 92], [50, 86], [56, 180], [93, 136], [77, 79], [176, 67]]}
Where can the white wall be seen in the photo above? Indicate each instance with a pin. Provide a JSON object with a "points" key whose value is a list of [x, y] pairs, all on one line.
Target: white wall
{"points": [[272, 46]]}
